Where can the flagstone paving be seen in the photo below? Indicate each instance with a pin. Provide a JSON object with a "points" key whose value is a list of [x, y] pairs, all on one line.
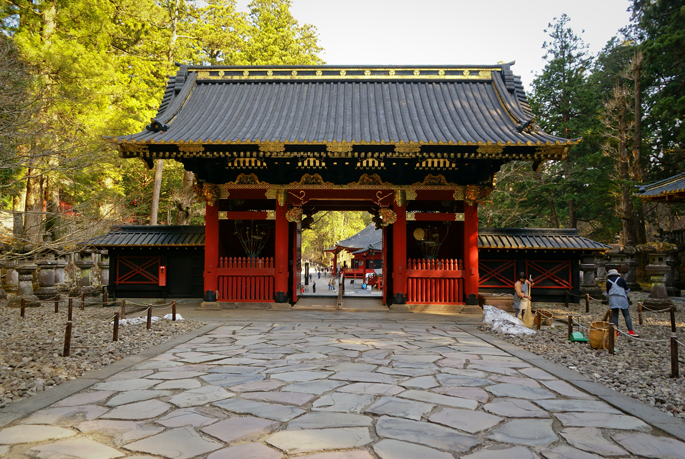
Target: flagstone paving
{"points": [[359, 388]]}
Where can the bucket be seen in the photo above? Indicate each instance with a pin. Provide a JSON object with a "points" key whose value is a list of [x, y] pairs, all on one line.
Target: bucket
{"points": [[599, 335]]}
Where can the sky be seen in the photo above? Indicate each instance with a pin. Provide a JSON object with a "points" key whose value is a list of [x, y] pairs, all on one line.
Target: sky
{"points": [[452, 32]]}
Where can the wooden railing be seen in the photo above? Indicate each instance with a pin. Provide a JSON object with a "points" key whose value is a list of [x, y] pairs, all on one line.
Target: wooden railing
{"points": [[435, 281], [246, 279]]}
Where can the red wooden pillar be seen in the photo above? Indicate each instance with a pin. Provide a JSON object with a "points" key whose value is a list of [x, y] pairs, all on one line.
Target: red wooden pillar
{"points": [[281, 252], [335, 262], [211, 248], [471, 253], [385, 265], [399, 248]]}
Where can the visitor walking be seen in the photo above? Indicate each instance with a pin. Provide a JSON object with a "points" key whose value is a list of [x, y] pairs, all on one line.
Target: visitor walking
{"points": [[314, 287], [617, 292], [521, 292]]}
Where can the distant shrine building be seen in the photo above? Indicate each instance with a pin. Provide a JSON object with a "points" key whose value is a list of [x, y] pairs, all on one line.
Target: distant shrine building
{"points": [[270, 146]]}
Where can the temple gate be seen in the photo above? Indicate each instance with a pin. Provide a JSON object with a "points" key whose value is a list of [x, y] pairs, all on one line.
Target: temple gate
{"points": [[270, 146]]}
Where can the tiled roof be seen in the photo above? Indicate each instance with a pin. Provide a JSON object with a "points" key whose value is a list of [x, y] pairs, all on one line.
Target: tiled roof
{"points": [[670, 187], [536, 239], [357, 105], [376, 246], [363, 239], [151, 236]]}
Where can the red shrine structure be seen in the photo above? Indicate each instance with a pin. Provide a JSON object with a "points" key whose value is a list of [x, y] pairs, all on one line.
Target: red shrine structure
{"points": [[366, 248], [270, 146]]}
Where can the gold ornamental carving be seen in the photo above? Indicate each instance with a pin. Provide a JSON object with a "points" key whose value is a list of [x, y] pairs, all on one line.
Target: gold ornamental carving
{"points": [[370, 180], [388, 217], [339, 147], [411, 195], [137, 149], [407, 148], [207, 192], [270, 193], [476, 193], [435, 180], [294, 215], [400, 198], [223, 192], [490, 149], [223, 215], [271, 215], [459, 217], [411, 217], [459, 193], [272, 147], [190, 148], [247, 179], [311, 179], [282, 197]]}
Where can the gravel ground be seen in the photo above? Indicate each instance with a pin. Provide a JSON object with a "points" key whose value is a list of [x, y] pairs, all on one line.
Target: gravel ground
{"points": [[31, 348], [639, 368]]}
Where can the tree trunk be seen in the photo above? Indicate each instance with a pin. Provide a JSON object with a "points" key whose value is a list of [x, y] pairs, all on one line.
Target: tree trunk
{"points": [[573, 221], [18, 203], [33, 217], [626, 200], [185, 200], [639, 220], [156, 189], [555, 220]]}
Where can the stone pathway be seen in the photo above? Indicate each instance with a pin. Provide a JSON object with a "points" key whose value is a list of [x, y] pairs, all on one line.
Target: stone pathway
{"points": [[335, 389]]}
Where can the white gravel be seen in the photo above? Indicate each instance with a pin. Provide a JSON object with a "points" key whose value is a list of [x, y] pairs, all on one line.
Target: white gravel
{"points": [[31, 348], [639, 368]]}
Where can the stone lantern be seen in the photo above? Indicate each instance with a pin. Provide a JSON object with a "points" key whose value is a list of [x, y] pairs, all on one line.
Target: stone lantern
{"points": [[657, 269], [11, 279], [46, 280], [622, 258], [25, 291], [589, 266]]}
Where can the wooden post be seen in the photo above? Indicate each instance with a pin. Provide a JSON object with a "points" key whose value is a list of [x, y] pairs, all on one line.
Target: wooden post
{"points": [[538, 320], [570, 326], [675, 372], [281, 248], [639, 312], [173, 311], [67, 340], [566, 298], [104, 297], [22, 310], [69, 310], [83, 301], [123, 309], [149, 316], [471, 250], [115, 333], [587, 302], [211, 280], [612, 336], [672, 311], [56, 306], [399, 249]]}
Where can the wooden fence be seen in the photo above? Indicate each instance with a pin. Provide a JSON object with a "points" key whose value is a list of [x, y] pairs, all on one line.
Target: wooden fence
{"points": [[246, 279], [435, 281]]}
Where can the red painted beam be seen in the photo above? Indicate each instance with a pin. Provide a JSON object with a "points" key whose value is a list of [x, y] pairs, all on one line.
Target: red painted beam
{"points": [[230, 215], [434, 217]]}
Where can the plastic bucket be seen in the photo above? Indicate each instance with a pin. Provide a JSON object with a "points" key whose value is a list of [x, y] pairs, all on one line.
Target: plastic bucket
{"points": [[599, 335]]}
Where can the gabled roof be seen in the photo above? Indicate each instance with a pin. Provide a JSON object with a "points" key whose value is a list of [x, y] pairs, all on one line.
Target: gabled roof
{"points": [[671, 189], [369, 236], [425, 105], [151, 236], [536, 239], [375, 247]]}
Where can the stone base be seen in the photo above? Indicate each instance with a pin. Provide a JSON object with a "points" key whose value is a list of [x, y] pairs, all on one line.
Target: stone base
{"points": [[277, 306], [437, 308], [592, 290], [399, 308], [657, 303], [672, 291], [47, 293], [31, 301], [209, 305], [3, 294], [503, 301]]}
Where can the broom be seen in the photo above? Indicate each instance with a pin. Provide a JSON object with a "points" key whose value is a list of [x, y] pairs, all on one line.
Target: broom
{"points": [[526, 307]]}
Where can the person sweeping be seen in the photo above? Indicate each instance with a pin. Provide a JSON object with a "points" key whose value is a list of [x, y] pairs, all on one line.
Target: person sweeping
{"points": [[617, 292], [522, 289]]}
